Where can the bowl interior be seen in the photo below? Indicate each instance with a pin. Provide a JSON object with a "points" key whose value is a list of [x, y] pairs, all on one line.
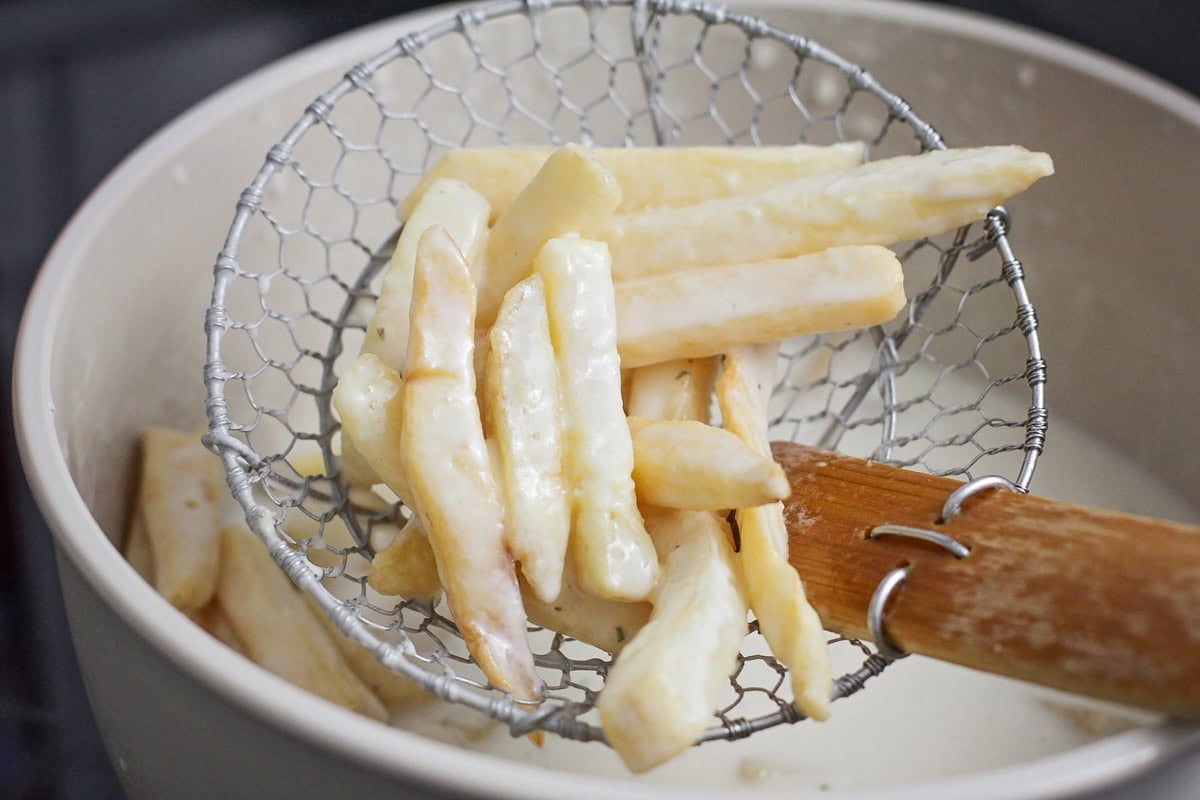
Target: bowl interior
{"points": [[114, 341]]}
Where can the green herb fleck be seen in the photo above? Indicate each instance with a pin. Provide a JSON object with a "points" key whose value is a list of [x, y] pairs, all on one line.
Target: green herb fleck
{"points": [[683, 373], [558, 608], [620, 634]]}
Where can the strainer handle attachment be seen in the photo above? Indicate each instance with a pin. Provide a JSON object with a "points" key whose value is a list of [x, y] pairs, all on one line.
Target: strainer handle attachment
{"points": [[1091, 601]]}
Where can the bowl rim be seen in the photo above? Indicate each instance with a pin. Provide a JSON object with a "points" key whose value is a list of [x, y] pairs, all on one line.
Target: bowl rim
{"points": [[80, 538]]}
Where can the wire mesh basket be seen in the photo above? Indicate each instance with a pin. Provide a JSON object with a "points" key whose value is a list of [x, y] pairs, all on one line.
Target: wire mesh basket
{"points": [[953, 385]]}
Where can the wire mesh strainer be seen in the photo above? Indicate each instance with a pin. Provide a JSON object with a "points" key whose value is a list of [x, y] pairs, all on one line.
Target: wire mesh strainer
{"points": [[952, 386]]}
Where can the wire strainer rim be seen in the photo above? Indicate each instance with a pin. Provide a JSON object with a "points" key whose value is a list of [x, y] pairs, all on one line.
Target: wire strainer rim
{"points": [[240, 460]]}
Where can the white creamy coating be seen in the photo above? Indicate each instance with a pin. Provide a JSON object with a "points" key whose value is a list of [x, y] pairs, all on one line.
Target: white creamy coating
{"points": [[968, 721]]}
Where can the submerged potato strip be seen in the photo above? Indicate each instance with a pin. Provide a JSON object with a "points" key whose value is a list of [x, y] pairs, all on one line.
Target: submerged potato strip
{"points": [[650, 177], [571, 192], [881, 202], [449, 470], [606, 624], [660, 695], [178, 503], [273, 622]]}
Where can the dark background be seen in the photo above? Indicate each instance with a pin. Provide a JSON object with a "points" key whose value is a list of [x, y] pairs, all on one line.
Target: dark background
{"points": [[83, 82]]}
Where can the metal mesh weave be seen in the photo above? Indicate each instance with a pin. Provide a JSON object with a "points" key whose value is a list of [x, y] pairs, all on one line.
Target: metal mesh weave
{"points": [[933, 390]]}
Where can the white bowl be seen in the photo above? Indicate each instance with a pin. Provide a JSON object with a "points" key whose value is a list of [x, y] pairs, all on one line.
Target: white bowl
{"points": [[112, 340]]}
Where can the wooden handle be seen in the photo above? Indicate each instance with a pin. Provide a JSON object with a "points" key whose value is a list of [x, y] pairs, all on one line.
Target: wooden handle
{"points": [[1090, 601]]}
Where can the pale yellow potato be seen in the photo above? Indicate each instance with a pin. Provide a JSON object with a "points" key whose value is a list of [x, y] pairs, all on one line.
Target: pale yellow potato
{"points": [[690, 465], [613, 554], [788, 623], [272, 620], [661, 693], [137, 548], [397, 692], [178, 501], [650, 177], [405, 566], [693, 546], [213, 619], [355, 469], [702, 312], [448, 467], [524, 420], [881, 202], [606, 624], [676, 389], [464, 213], [573, 190], [368, 399]]}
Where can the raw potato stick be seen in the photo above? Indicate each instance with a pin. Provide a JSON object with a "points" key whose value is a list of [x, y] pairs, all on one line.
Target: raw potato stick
{"points": [[881, 202], [788, 622], [463, 212], [660, 694], [137, 547], [178, 503], [650, 177], [573, 190], [405, 566], [613, 554], [524, 420], [272, 620], [678, 389], [606, 624], [706, 311], [368, 399], [394, 690], [448, 467], [690, 465]]}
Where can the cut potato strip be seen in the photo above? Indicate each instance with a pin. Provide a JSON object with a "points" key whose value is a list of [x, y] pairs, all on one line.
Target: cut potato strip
{"points": [[606, 624], [572, 191], [213, 619], [449, 471], [355, 470], [464, 213], [524, 420], [405, 566], [699, 616], [650, 177], [613, 553], [661, 693], [178, 500], [397, 692], [368, 399], [677, 389], [691, 465], [881, 202], [706, 311], [137, 550], [787, 621], [278, 631]]}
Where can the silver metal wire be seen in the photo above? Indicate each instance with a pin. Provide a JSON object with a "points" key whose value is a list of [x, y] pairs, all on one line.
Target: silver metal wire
{"points": [[293, 284]]}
